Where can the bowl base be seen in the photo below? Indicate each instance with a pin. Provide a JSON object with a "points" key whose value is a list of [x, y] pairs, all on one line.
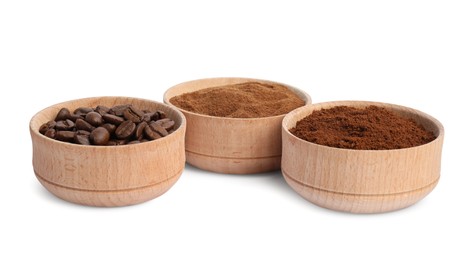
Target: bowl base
{"points": [[358, 203], [111, 198], [234, 165]]}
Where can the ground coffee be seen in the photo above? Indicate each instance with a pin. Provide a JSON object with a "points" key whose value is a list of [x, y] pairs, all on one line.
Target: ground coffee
{"points": [[122, 124], [371, 128], [245, 100]]}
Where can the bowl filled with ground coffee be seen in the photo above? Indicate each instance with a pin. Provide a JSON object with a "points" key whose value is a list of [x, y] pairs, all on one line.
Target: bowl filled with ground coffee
{"points": [[108, 151], [361, 157], [234, 124]]}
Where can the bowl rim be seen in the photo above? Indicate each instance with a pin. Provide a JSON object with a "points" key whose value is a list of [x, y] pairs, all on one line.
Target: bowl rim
{"points": [[296, 90], [438, 124], [35, 132]]}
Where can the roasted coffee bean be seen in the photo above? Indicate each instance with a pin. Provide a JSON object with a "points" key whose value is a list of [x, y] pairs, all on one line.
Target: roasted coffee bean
{"points": [[66, 136], [113, 119], [51, 133], [65, 125], [83, 132], [147, 117], [151, 134], [116, 142], [118, 110], [158, 115], [63, 114], [74, 117], [162, 114], [110, 127], [83, 111], [49, 125], [166, 123], [102, 110], [43, 128], [134, 142], [81, 124], [82, 137], [140, 130], [156, 127], [133, 114], [99, 136], [125, 130], [94, 119]]}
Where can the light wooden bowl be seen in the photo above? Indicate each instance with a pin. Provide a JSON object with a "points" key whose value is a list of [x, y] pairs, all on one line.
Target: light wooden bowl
{"points": [[231, 145], [108, 175], [361, 181]]}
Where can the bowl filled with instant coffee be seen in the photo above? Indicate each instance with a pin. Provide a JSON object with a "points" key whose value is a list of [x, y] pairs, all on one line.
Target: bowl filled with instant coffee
{"points": [[108, 151], [234, 124], [361, 157]]}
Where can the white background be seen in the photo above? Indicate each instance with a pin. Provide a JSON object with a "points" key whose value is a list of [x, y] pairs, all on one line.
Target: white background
{"points": [[412, 53]]}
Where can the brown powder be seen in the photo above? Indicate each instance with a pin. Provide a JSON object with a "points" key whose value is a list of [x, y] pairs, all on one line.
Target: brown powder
{"points": [[371, 128], [245, 100]]}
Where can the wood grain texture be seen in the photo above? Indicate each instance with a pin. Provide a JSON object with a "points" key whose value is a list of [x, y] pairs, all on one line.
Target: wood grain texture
{"points": [[108, 175], [361, 181], [231, 145]]}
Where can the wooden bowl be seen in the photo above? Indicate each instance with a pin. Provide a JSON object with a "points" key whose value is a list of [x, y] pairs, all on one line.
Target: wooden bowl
{"points": [[231, 145], [108, 175], [361, 181]]}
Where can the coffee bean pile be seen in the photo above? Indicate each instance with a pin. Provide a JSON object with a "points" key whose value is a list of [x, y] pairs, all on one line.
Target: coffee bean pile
{"points": [[118, 125]]}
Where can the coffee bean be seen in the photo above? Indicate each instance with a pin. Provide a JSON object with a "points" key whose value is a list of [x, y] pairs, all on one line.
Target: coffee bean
{"points": [[151, 134], [140, 130], [147, 117], [118, 110], [94, 119], [125, 130], [156, 127], [51, 133], [102, 110], [113, 119], [83, 132], [46, 126], [81, 124], [133, 114], [65, 125], [134, 142], [162, 114], [99, 136], [116, 142], [63, 114], [110, 127], [82, 137], [66, 136], [158, 115], [166, 123], [51, 124], [82, 111]]}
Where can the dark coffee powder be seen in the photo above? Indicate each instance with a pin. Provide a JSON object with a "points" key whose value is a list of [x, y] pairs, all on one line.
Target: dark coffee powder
{"points": [[371, 128], [244, 100]]}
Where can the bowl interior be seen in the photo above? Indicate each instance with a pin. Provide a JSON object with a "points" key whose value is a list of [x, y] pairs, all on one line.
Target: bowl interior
{"points": [[49, 113], [427, 121]]}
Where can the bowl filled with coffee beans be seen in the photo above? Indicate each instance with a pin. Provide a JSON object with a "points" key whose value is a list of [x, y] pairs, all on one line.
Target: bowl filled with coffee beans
{"points": [[361, 157], [234, 124], [108, 151]]}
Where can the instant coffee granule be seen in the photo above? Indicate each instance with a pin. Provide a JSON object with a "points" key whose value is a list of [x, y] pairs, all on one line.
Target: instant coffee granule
{"points": [[244, 100], [370, 128]]}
